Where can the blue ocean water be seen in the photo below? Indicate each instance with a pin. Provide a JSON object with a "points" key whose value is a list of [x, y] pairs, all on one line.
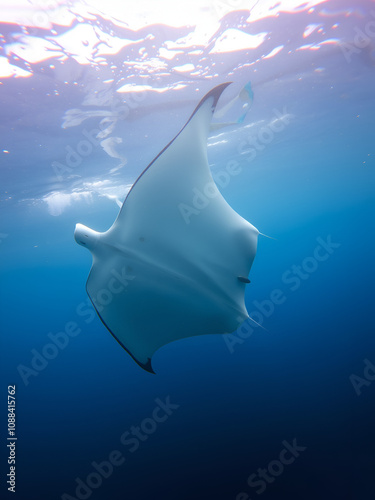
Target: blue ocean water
{"points": [[87, 423]]}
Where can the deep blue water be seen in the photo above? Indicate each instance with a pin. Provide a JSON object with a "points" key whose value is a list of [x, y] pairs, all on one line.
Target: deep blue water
{"points": [[234, 411]]}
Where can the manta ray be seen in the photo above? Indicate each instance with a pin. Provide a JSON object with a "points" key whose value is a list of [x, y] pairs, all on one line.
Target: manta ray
{"points": [[157, 275]]}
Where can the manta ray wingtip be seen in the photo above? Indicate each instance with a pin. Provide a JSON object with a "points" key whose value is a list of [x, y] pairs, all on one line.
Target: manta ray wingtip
{"points": [[269, 237], [216, 92], [146, 366]]}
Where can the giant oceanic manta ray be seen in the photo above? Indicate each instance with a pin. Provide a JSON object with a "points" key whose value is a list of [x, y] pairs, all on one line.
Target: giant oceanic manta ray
{"points": [[159, 275]]}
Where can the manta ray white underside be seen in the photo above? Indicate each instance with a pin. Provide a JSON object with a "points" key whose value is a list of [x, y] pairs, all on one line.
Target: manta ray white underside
{"points": [[158, 276]]}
